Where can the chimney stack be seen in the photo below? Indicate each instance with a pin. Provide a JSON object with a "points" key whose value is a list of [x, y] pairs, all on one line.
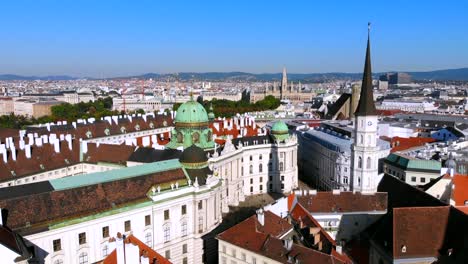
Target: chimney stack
{"points": [[38, 142], [68, 138], [261, 216], [13, 152], [3, 151], [27, 151], [339, 250], [56, 146]]}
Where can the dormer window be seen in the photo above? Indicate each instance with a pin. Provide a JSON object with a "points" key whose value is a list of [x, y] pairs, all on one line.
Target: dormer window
{"points": [[151, 125], [13, 173], [89, 134], [137, 127], [107, 131], [67, 161], [403, 249], [123, 129], [42, 166]]}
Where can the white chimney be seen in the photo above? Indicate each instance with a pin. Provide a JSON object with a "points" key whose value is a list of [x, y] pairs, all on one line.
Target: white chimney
{"points": [[48, 127], [3, 151], [13, 152], [62, 137], [56, 146], [35, 135], [21, 144], [45, 139], [38, 142], [68, 138], [74, 124], [339, 250], [261, 216], [84, 146], [27, 151], [7, 143]]}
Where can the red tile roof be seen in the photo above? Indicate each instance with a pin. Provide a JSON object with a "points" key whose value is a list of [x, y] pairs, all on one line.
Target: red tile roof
{"points": [[460, 192], [400, 143], [264, 240], [419, 230], [343, 202]]}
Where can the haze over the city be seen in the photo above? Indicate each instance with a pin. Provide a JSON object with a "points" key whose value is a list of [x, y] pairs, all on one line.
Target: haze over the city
{"points": [[121, 38]]}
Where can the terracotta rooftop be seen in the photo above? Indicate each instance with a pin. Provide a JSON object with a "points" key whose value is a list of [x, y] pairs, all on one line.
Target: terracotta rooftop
{"points": [[460, 192], [400, 143], [265, 240], [327, 202], [420, 231]]}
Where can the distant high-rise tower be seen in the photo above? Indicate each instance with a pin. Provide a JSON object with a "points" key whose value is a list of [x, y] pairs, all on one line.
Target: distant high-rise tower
{"points": [[364, 163]]}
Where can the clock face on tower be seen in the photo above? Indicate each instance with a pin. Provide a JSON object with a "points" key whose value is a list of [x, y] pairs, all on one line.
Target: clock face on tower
{"points": [[369, 123]]}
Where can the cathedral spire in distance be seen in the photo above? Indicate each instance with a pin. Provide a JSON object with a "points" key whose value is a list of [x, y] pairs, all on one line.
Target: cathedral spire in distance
{"points": [[284, 81], [366, 104]]}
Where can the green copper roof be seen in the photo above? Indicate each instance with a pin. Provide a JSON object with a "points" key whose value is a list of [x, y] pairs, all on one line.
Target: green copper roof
{"points": [[279, 126], [413, 163], [113, 175], [191, 112]]}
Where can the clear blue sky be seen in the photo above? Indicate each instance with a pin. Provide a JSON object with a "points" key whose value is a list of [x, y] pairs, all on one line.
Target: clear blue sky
{"points": [[115, 38]]}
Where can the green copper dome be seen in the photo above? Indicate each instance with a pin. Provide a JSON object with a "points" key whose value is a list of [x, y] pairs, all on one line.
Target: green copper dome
{"points": [[280, 131], [279, 127], [191, 114]]}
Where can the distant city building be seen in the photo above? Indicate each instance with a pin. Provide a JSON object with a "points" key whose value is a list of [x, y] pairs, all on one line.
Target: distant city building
{"points": [[396, 78]]}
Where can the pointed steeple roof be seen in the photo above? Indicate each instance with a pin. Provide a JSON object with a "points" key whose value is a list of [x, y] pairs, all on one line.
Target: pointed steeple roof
{"points": [[366, 104]]}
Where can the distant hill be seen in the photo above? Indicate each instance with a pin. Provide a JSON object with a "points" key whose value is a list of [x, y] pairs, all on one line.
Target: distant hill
{"points": [[449, 75], [10, 77], [439, 75]]}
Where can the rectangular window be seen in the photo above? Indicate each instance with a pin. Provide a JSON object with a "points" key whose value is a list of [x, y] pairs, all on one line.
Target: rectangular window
{"points": [[184, 248], [57, 245], [233, 252], [184, 260], [200, 205], [167, 233], [254, 260], [261, 187], [147, 220], [224, 249], [82, 238], [251, 189], [184, 209], [243, 256], [423, 179], [282, 186], [251, 181], [200, 224], [261, 179], [184, 228], [168, 254], [105, 232], [223, 260], [282, 177], [127, 226], [413, 179], [271, 187], [166, 214]]}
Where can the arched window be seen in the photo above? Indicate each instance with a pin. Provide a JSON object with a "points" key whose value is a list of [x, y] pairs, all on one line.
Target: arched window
{"points": [[281, 166], [242, 171], [148, 239], [105, 250], [369, 165], [360, 162], [167, 232], [361, 139], [251, 158], [83, 258], [260, 167], [251, 169]]}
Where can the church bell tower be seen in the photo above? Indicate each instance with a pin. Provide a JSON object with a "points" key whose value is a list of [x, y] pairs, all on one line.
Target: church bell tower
{"points": [[364, 158]]}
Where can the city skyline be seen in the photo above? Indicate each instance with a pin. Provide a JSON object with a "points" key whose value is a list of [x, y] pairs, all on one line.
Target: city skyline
{"points": [[103, 40]]}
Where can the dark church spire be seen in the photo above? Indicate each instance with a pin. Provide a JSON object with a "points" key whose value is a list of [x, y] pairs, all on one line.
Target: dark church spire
{"points": [[366, 105]]}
